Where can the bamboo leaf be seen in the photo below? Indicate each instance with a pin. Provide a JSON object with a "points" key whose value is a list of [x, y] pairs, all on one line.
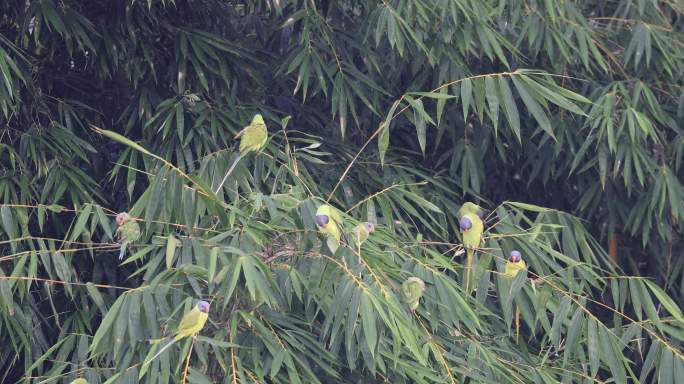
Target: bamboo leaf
{"points": [[171, 244]]}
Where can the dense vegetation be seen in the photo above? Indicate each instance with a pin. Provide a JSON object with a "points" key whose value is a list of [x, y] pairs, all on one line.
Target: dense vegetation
{"points": [[563, 118]]}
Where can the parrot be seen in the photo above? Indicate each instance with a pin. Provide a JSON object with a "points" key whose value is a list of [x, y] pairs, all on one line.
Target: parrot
{"points": [[193, 321], [514, 264], [328, 220], [472, 226], [362, 231], [190, 325], [252, 138], [80, 380], [128, 231], [412, 290]]}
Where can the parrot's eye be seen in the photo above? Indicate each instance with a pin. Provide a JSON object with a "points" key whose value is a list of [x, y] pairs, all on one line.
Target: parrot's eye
{"points": [[369, 226], [465, 223], [203, 307], [515, 256], [322, 220]]}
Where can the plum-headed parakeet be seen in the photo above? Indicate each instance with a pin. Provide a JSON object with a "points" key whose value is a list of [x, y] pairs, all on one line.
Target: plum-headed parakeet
{"points": [[127, 230], [472, 227], [252, 138], [193, 321], [190, 325], [412, 290], [514, 264], [328, 220]]}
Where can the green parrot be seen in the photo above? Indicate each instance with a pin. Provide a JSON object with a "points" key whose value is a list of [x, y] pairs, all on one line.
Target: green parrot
{"points": [[190, 325], [514, 265], [412, 290], [362, 231], [329, 220], [472, 226], [252, 138], [80, 380], [127, 230]]}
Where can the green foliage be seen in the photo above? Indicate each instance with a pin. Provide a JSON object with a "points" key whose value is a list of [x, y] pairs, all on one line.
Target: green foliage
{"points": [[394, 112]]}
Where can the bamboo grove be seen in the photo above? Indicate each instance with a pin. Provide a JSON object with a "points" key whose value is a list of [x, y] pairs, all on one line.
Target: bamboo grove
{"points": [[563, 119]]}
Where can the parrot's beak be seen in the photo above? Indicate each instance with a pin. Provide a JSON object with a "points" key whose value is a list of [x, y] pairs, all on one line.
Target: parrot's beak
{"points": [[322, 220]]}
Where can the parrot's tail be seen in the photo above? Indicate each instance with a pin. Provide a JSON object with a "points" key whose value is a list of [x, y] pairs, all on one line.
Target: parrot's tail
{"points": [[228, 173], [469, 269], [122, 252], [170, 343]]}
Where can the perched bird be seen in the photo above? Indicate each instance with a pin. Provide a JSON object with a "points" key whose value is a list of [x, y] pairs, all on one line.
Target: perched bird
{"points": [[193, 321], [514, 264], [127, 230], [412, 290], [252, 138], [328, 220], [190, 325], [362, 231], [80, 380], [472, 226]]}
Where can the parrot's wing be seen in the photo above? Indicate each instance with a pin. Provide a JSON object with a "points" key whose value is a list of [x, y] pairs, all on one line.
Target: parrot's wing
{"points": [[334, 231], [336, 215], [263, 135], [357, 233], [332, 243], [247, 135], [131, 230], [405, 294], [360, 233], [508, 269], [189, 321]]}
